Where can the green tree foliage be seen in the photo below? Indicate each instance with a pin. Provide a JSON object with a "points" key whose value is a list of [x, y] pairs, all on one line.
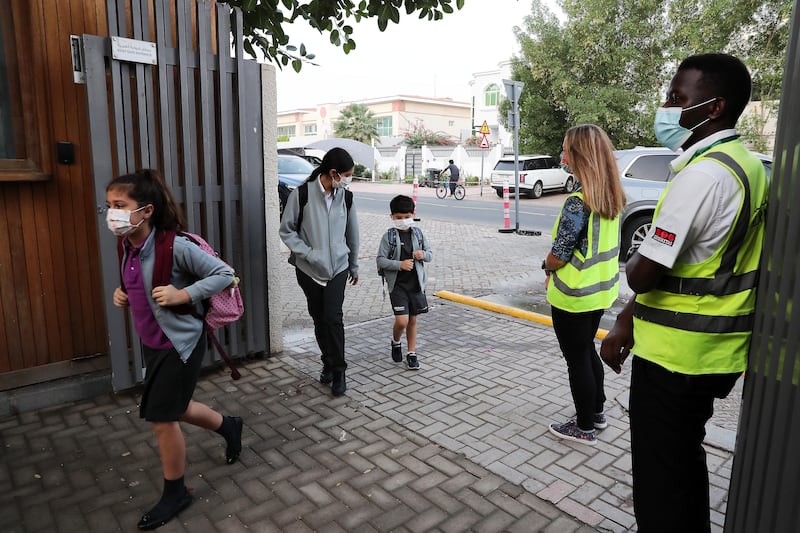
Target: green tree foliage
{"points": [[358, 123], [266, 22], [610, 61], [548, 120], [418, 135]]}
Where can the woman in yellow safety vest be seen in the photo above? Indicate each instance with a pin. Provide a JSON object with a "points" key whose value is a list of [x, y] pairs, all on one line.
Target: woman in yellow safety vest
{"points": [[583, 272]]}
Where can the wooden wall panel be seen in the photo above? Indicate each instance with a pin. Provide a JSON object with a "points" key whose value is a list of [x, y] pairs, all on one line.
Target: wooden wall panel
{"points": [[50, 289]]}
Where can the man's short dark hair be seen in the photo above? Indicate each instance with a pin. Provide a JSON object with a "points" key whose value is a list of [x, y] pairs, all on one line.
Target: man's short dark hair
{"points": [[401, 204], [451, 161], [724, 75]]}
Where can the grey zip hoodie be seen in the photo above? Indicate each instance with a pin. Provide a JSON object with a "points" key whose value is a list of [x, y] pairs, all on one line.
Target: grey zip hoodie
{"points": [[391, 265], [327, 243]]}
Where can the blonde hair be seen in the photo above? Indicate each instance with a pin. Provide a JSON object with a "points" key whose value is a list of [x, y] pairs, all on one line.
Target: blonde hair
{"points": [[590, 155]]}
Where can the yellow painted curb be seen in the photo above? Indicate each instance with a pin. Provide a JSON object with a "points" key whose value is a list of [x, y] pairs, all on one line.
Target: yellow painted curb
{"points": [[505, 309]]}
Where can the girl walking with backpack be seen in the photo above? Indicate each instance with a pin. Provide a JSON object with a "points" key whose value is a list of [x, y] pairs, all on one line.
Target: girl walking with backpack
{"points": [[320, 227], [142, 212]]}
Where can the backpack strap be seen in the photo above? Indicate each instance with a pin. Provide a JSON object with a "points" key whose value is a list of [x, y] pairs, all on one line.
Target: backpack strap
{"points": [[420, 236], [162, 271], [302, 198], [391, 234], [121, 257], [348, 199]]}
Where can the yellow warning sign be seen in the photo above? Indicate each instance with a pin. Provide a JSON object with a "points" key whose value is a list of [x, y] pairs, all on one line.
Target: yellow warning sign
{"points": [[485, 129]]}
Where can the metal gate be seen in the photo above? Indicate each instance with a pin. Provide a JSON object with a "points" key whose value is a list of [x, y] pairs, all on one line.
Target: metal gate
{"points": [[159, 98], [765, 479]]}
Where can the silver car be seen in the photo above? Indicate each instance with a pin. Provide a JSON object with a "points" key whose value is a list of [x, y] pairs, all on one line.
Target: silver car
{"points": [[644, 173]]}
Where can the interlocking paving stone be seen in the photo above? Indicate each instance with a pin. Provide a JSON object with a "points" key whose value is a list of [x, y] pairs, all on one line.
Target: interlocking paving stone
{"points": [[489, 386]]}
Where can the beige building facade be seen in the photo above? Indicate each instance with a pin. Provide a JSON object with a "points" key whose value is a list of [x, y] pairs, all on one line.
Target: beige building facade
{"points": [[394, 116]]}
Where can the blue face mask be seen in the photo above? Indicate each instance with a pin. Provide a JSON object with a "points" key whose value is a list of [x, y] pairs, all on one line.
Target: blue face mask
{"points": [[564, 165], [667, 125]]}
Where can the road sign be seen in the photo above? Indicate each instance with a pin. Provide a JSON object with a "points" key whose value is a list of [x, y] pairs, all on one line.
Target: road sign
{"points": [[485, 129], [513, 89], [485, 142]]}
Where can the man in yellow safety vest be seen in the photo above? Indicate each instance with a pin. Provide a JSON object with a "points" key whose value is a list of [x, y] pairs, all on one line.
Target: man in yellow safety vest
{"points": [[695, 278]]}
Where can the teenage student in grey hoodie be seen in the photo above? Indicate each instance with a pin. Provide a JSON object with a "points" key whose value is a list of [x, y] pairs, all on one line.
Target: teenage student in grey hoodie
{"points": [[322, 235]]}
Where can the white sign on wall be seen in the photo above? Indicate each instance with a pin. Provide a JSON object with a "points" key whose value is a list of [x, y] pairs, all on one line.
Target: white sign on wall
{"points": [[133, 51]]}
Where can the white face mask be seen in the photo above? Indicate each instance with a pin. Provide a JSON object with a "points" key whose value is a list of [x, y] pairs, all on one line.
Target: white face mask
{"points": [[343, 183], [403, 223], [119, 221]]}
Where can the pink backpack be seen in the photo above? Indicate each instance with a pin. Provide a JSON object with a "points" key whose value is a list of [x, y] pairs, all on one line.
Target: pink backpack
{"points": [[224, 307]]}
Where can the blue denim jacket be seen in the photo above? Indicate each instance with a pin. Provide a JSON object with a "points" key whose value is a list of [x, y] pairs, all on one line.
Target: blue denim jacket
{"points": [[201, 274]]}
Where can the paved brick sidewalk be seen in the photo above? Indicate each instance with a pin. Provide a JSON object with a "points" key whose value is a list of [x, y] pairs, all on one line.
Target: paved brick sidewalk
{"points": [[310, 463], [460, 445]]}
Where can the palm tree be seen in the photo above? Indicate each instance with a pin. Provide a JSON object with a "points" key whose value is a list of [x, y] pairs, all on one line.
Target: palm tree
{"points": [[358, 123]]}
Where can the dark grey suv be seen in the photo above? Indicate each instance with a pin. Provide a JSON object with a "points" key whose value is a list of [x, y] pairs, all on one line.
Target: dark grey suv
{"points": [[644, 173]]}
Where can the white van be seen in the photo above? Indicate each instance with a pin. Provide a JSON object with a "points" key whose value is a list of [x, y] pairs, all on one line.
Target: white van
{"points": [[537, 174]]}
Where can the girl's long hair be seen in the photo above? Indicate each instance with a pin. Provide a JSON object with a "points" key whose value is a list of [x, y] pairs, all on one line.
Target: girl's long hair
{"points": [[590, 155], [335, 158], [146, 186]]}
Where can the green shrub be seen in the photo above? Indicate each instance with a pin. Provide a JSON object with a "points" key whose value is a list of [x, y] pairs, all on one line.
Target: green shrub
{"points": [[471, 180], [409, 179], [367, 173], [359, 169], [388, 174]]}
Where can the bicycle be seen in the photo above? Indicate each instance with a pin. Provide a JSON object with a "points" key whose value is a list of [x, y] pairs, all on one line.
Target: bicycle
{"points": [[441, 191]]}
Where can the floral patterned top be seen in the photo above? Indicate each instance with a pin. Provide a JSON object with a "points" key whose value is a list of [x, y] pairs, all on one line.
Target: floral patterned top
{"points": [[572, 226]]}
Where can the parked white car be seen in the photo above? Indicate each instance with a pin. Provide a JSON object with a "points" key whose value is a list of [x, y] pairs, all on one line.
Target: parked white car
{"points": [[537, 174]]}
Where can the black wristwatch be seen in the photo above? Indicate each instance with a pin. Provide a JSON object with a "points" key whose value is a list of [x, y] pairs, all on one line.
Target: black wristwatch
{"points": [[544, 267]]}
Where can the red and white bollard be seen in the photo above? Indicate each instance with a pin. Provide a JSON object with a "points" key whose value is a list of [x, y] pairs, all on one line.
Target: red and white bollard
{"points": [[414, 194], [506, 209]]}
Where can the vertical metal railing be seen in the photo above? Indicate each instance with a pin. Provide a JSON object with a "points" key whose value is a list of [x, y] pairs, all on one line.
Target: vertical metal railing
{"points": [[765, 480], [188, 116]]}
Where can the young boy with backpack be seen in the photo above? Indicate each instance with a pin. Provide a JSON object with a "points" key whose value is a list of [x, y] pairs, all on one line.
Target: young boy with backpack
{"points": [[401, 254]]}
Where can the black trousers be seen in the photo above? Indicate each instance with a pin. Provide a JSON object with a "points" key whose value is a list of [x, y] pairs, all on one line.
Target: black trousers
{"points": [[668, 413], [325, 308], [575, 333]]}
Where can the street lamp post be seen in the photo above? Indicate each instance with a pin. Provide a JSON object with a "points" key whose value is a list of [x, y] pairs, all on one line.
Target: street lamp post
{"points": [[513, 91]]}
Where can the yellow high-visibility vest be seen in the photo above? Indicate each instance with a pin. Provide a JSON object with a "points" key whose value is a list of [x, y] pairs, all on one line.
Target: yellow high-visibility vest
{"points": [[699, 318], [590, 282]]}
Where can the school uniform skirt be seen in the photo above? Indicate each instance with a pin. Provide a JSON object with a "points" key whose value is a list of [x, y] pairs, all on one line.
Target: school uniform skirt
{"points": [[169, 382]]}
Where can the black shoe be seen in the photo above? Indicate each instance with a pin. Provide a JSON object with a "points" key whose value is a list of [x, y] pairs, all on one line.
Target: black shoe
{"points": [[235, 444], [326, 376], [411, 361], [397, 352], [338, 386], [161, 514]]}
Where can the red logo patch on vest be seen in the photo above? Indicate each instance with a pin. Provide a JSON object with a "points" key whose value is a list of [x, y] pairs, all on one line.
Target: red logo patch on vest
{"points": [[664, 237]]}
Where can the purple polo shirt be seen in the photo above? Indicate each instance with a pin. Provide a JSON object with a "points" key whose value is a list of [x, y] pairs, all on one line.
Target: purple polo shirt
{"points": [[143, 320]]}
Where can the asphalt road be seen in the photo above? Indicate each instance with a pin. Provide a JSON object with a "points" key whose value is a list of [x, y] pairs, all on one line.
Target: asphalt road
{"points": [[538, 214]]}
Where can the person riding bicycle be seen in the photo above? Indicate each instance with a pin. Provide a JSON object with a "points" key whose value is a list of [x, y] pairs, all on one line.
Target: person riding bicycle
{"points": [[454, 175]]}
